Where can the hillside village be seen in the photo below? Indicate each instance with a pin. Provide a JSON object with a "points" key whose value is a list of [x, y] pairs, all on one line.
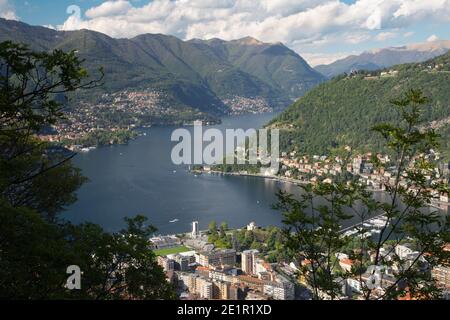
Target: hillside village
{"points": [[361, 167]]}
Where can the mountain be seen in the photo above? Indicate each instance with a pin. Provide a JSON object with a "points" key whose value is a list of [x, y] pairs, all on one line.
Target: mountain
{"points": [[209, 76], [385, 58], [274, 64], [343, 110]]}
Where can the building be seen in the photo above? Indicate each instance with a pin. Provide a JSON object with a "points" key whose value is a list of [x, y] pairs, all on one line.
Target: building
{"points": [[442, 276], [263, 270], [284, 290], [182, 262], [221, 290], [195, 231], [351, 287], [205, 289], [252, 282], [403, 251], [220, 276], [164, 242], [188, 281], [346, 264], [237, 292], [251, 226], [256, 296], [166, 263], [218, 258], [196, 285], [248, 261]]}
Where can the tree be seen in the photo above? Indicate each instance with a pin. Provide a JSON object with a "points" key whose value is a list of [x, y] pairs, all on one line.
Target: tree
{"points": [[313, 230], [223, 229], [120, 265], [32, 90], [38, 180], [224, 226], [212, 228]]}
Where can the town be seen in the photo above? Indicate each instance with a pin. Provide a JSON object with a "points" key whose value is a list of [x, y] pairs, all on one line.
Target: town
{"points": [[305, 169], [112, 119], [243, 105], [362, 167], [200, 271]]}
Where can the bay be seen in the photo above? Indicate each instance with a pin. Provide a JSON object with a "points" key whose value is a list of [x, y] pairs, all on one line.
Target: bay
{"points": [[140, 178]]}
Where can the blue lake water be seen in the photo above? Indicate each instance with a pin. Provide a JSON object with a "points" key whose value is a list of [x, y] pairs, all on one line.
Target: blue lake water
{"points": [[140, 178]]}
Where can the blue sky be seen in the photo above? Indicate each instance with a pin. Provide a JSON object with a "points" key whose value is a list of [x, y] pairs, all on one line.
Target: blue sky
{"points": [[320, 30]]}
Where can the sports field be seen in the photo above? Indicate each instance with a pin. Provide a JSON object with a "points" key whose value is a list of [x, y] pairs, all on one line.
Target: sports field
{"points": [[165, 252]]}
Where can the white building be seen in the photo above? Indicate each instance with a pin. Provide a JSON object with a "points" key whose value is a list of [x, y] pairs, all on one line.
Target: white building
{"points": [[282, 289], [351, 286], [251, 226], [403, 251], [195, 232]]}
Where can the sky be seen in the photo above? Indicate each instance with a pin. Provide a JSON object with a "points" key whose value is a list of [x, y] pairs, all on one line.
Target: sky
{"points": [[321, 31]]}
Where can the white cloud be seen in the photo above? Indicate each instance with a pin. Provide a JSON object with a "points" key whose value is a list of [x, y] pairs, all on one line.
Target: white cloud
{"points": [[293, 22], [383, 36], [432, 38], [109, 9], [315, 59], [7, 10]]}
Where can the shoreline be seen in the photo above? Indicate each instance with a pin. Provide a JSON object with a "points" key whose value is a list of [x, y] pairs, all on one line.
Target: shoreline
{"points": [[435, 204], [273, 178]]}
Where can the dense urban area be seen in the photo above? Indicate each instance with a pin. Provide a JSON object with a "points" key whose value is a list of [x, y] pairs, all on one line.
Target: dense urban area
{"points": [[201, 270]]}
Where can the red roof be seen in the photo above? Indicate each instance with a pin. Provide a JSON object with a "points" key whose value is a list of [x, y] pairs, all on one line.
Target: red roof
{"points": [[202, 268], [346, 261]]}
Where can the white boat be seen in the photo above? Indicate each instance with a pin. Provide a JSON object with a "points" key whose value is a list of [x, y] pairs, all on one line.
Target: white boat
{"points": [[174, 220]]}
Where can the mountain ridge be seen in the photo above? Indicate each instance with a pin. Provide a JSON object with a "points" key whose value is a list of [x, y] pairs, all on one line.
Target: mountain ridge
{"points": [[199, 74], [385, 57], [343, 110]]}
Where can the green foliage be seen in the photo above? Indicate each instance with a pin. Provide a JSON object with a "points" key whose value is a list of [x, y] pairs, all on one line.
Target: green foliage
{"points": [[269, 241], [342, 111], [36, 254], [31, 84], [37, 181], [313, 231], [103, 138]]}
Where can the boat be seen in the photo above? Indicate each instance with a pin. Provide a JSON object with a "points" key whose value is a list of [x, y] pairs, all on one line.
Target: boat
{"points": [[174, 220]]}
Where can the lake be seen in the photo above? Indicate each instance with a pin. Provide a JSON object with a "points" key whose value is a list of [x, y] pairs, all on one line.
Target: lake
{"points": [[140, 178]]}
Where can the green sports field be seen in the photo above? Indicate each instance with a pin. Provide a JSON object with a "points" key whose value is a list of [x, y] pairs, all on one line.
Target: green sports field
{"points": [[165, 252]]}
